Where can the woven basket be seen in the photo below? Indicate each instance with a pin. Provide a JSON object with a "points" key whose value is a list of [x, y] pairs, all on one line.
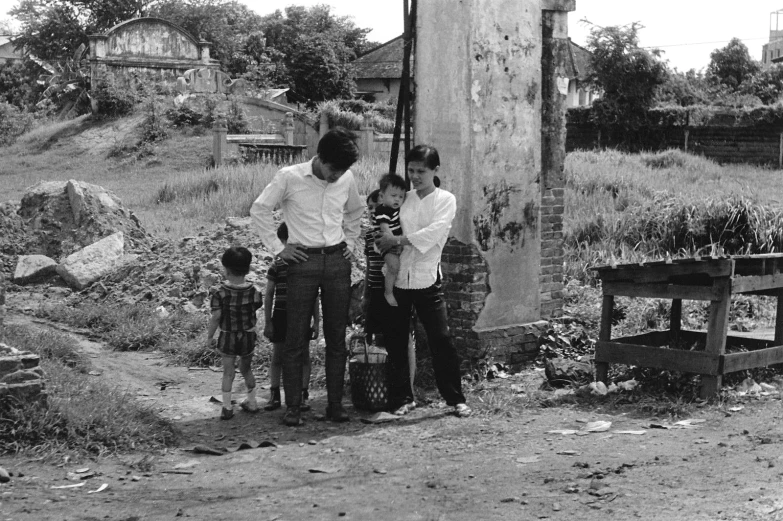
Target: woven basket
{"points": [[367, 371]]}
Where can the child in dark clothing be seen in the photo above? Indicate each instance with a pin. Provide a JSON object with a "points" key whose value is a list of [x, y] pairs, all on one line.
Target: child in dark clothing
{"points": [[387, 220], [234, 304], [276, 322]]}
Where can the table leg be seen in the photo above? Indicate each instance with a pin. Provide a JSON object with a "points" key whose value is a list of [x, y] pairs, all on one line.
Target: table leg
{"points": [[605, 334], [779, 321], [717, 328], [675, 323]]}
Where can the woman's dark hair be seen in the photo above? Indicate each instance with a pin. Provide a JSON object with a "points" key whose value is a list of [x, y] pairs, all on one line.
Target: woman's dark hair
{"points": [[393, 180], [237, 260], [282, 232], [424, 154], [338, 148], [374, 196]]}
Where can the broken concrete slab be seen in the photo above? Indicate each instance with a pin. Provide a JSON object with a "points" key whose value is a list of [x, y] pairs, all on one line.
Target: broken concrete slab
{"points": [[33, 268], [89, 264]]}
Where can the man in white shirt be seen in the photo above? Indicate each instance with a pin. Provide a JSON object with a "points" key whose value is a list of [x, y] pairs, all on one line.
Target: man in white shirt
{"points": [[322, 209]]}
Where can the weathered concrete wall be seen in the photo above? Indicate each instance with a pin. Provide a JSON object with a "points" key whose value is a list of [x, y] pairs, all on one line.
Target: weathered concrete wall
{"points": [[151, 38], [478, 100], [149, 49]]}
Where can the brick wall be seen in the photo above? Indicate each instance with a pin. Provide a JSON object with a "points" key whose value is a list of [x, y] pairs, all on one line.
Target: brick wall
{"points": [[758, 144], [466, 286], [551, 277]]}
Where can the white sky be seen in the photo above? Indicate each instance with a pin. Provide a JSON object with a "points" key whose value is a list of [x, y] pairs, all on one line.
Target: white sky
{"points": [[687, 30]]}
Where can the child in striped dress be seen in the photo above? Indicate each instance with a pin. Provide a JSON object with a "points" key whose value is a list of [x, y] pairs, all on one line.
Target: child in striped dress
{"points": [[234, 304]]}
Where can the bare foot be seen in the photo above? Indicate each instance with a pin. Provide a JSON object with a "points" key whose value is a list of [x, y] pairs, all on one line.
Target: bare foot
{"points": [[390, 299]]}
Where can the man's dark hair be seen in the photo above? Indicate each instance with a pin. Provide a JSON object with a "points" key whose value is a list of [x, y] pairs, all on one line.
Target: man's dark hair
{"points": [[338, 148], [282, 232], [374, 196], [237, 260], [393, 180]]}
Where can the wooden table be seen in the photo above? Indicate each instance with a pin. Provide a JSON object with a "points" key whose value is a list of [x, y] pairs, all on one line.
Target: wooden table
{"points": [[713, 279]]}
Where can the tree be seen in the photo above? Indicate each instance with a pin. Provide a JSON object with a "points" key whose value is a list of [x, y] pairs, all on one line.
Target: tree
{"points": [[767, 84], [52, 29], [684, 89], [225, 24], [732, 65], [18, 84], [627, 75], [317, 49]]}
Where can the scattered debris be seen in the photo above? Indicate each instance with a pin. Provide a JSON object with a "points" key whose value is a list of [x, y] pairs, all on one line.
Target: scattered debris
{"points": [[323, 470], [380, 417], [5, 477], [99, 489], [75, 485], [528, 459]]}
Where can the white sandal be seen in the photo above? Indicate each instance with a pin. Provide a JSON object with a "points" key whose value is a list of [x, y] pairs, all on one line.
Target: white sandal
{"points": [[404, 409], [461, 410]]}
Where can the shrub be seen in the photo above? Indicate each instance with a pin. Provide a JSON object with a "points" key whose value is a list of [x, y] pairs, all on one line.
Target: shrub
{"points": [[183, 116], [114, 99], [13, 123]]}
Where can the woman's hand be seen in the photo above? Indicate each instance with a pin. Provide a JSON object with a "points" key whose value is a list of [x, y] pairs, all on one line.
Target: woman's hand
{"points": [[386, 241]]}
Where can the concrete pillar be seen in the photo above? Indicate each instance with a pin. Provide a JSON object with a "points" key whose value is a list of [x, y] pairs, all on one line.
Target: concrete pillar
{"points": [[289, 128], [219, 132], [556, 69], [203, 47], [479, 102], [367, 137]]}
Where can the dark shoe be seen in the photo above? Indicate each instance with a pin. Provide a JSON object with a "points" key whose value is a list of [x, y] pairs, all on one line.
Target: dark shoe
{"points": [[336, 413], [304, 406], [226, 414], [274, 400], [292, 417]]}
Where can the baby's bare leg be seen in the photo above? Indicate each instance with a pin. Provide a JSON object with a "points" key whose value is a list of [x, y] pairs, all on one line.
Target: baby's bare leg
{"points": [[392, 263]]}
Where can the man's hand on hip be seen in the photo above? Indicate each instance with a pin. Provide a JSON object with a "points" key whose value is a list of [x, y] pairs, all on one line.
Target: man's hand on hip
{"points": [[348, 254], [293, 254]]}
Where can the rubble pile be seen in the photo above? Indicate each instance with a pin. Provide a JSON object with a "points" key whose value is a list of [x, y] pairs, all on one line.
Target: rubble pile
{"points": [[99, 248], [58, 218], [178, 275]]}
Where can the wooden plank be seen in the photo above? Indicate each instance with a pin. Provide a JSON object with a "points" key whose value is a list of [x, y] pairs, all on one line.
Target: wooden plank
{"points": [[659, 357], [651, 338], [761, 358], [675, 322], [751, 344], [717, 327], [605, 334], [667, 291], [713, 268], [744, 284], [779, 321]]}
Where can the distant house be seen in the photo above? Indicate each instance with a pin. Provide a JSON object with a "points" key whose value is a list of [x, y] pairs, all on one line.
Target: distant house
{"points": [[379, 73], [579, 93], [7, 51], [771, 51]]}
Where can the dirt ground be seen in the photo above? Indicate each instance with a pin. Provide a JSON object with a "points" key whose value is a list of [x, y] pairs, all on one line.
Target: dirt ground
{"points": [[429, 465]]}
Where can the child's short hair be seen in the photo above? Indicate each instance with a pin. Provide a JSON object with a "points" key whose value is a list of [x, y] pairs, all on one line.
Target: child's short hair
{"points": [[338, 148], [237, 260], [282, 232], [393, 180], [374, 196]]}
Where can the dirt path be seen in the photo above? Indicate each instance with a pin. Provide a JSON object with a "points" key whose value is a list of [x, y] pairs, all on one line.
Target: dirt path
{"points": [[426, 466]]}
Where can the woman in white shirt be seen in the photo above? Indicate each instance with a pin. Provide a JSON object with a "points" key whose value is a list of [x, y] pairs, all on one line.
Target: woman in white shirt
{"points": [[426, 217]]}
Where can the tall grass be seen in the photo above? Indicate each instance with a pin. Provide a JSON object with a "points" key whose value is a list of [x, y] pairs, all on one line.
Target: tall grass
{"points": [[627, 208], [84, 414]]}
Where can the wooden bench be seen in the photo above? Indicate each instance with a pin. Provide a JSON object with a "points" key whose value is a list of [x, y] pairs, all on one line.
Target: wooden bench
{"points": [[712, 279]]}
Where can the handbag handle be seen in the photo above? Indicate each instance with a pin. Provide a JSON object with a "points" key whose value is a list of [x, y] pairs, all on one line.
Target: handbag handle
{"points": [[363, 339]]}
